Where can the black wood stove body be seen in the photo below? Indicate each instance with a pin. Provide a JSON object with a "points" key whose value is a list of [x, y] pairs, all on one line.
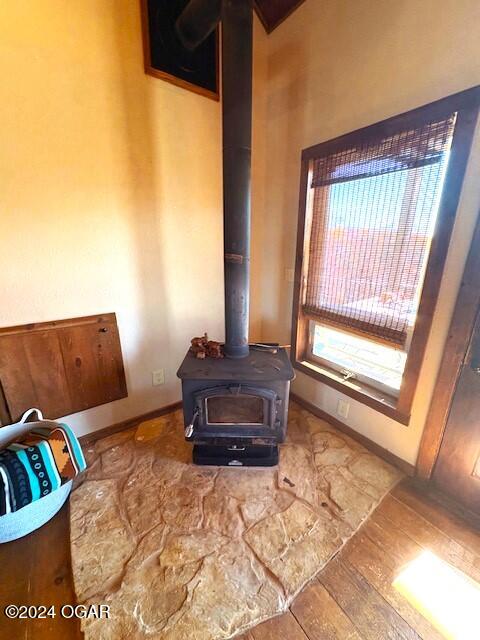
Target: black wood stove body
{"points": [[235, 408]]}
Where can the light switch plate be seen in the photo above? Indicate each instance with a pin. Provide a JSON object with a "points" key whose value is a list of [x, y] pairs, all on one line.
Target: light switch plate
{"points": [[290, 275]]}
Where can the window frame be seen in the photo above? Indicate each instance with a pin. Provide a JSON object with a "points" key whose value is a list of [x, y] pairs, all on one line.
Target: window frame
{"points": [[466, 104]]}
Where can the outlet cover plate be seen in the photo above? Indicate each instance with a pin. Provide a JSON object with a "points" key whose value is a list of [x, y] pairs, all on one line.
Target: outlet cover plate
{"points": [[158, 377], [343, 408]]}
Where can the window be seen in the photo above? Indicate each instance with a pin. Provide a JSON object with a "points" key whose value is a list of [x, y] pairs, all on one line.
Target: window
{"points": [[357, 358], [377, 209]]}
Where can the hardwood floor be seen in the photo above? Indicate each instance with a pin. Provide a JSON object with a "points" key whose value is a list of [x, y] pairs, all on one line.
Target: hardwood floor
{"points": [[36, 570], [351, 599]]}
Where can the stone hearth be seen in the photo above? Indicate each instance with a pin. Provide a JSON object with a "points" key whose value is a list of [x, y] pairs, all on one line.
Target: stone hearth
{"points": [[183, 552]]}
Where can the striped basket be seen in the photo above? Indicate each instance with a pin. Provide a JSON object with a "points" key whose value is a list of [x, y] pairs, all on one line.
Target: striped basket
{"points": [[22, 522]]}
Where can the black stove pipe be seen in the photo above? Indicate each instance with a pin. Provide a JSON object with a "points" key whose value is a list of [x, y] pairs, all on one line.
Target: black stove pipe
{"points": [[237, 45], [197, 21], [237, 42]]}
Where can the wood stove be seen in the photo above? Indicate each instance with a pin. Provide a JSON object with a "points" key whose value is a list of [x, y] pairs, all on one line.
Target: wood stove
{"points": [[235, 408], [235, 411]]}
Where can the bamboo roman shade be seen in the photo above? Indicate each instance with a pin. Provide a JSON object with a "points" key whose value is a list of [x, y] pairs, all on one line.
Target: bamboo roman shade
{"points": [[374, 204]]}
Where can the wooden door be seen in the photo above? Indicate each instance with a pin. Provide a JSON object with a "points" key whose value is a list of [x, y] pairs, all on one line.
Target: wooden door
{"points": [[457, 470]]}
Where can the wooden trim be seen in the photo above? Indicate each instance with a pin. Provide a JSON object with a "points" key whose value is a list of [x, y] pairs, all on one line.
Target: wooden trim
{"points": [[183, 84], [466, 104], [445, 106], [163, 75], [299, 319], [372, 446], [366, 395], [269, 27], [459, 154], [456, 346], [90, 438], [261, 17]]}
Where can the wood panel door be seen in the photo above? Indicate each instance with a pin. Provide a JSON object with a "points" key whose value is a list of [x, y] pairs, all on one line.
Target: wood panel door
{"points": [[32, 374], [457, 470], [93, 364], [61, 367]]}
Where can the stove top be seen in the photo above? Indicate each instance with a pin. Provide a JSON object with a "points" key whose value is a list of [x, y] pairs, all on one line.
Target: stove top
{"points": [[257, 366]]}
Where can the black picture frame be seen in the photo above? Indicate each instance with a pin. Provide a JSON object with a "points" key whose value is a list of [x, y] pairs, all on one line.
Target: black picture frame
{"points": [[166, 59]]}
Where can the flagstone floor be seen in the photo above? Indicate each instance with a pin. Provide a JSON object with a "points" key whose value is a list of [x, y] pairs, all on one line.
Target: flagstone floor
{"points": [[182, 552]]}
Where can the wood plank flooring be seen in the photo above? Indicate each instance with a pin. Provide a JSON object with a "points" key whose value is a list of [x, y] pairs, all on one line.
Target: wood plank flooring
{"points": [[351, 599], [36, 570]]}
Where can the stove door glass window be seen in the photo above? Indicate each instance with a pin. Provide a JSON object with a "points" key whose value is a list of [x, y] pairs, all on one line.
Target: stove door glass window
{"points": [[243, 409]]}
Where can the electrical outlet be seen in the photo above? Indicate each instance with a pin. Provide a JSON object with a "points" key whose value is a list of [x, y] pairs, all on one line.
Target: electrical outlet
{"points": [[343, 408], [158, 377], [290, 275]]}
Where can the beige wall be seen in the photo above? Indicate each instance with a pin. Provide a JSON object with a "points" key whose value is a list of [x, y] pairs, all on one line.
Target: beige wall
{"points": [[110, 190], [110, 181], [335, 66]]}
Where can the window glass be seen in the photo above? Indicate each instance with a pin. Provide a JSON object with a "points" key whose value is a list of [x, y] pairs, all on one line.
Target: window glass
{"points": [[363, 358]]}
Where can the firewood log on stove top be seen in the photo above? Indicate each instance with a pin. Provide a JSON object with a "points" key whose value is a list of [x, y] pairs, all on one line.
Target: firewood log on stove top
{"points": [[203, 347]]}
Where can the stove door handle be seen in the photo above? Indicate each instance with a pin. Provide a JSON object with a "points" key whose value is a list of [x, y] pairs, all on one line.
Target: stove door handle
{"points": [[189, 428]]}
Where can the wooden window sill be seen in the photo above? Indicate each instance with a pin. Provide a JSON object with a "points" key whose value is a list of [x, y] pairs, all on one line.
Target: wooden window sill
{"points": [[362, 393]]}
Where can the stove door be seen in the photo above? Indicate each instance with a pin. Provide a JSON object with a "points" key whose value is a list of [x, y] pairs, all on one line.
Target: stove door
{"points": [[236, 411]]}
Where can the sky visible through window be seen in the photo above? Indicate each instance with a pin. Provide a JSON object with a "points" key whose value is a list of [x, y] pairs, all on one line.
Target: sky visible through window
{"points": [[363, 203]]}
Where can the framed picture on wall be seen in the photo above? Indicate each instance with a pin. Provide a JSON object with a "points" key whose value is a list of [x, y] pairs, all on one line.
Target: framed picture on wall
{"points": [[167, 59]]}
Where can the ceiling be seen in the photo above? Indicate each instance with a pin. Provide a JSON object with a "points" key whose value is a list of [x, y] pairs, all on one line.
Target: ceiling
{"points": [[273, 12]]}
